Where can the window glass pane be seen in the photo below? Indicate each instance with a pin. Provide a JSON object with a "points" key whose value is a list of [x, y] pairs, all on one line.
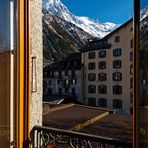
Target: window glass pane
{"points": [[117, 76], [91, 55], [91, 89], [117, 38], [117, 64], [102, 89], [143, 73], [91, 77], [92, 101], [7, 72], [102, 77], [102, 65], [102, 53], [91, 66], [102, 102], [117, 52], [117, 89]]}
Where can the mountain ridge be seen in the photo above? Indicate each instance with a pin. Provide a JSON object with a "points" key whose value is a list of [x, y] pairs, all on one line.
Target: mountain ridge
{"points": [[91, 26]]}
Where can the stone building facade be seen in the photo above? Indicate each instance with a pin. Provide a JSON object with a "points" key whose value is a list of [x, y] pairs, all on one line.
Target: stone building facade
{"points": [[36, 62], [108, 70], [63, 79]]}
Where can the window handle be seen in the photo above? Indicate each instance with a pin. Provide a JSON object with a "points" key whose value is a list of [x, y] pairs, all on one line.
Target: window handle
{"points": [[33, 74]]}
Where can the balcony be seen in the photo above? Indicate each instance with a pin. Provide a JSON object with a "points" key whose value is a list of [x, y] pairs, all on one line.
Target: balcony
{"points": [[47, 137], [72, 126]]}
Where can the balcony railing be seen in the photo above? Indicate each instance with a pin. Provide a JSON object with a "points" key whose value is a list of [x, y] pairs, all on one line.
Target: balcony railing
{"points": [[46, 137]]}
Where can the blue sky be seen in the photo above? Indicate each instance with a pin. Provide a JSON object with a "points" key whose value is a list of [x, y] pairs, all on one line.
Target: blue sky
{"points": [[143, 3], [116, 11]]}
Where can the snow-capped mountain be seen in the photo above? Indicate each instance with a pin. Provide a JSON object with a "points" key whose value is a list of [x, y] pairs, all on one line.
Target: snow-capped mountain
{"points": [[144, 13], [91, 26], [144, 28], [65, 33]]}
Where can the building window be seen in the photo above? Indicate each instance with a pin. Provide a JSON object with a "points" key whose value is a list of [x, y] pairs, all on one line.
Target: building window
{"points": [[117, 64], [60, 91], [131, 83], [44, 86], [60, 74], [60, 82], [102, 53], [91, 77], [117, 103], [91, 66], [102, 76], [66, 73], [131, 56], [51, 74], [117, 38], [66, 82], [73, 92], [74, 81], [91, 89], [49, 82], [102, 65], [117, 52], [66, 90], [117, 76], [131, 43], [49, 91], [91, 55], [73, 74], [102, 89], [92, 101], [131, 69], [102, 102], [117, 89]]}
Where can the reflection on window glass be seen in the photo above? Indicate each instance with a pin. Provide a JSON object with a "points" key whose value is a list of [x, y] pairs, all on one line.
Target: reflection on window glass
{"points": [[143, 72], [7, 71]]}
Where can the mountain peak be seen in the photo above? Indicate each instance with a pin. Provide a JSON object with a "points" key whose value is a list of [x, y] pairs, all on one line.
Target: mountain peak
{"points": [[91, 26], [55, 6]]}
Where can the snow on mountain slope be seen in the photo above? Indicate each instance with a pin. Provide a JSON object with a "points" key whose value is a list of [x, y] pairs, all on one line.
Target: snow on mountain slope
{"points": [[144, 13], [91, 26]]}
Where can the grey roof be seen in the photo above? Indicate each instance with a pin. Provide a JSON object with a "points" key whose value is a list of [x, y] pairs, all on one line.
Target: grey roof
{"points": [[72, 62]]}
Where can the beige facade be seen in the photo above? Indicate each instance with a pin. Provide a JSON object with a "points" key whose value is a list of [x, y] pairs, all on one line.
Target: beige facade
{"points": [[120, 76]]}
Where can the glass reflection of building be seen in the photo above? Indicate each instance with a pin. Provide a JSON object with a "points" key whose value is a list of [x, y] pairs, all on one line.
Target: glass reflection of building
{"points": [[143, 53], [143, 73], [7, 71]]}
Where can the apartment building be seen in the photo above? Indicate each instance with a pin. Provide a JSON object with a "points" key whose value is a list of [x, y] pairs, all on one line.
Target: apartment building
{"points": [[64, 78], [108, 70]]}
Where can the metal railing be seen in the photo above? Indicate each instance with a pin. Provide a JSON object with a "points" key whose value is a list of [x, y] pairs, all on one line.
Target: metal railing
{"points": [[47, 137]]}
